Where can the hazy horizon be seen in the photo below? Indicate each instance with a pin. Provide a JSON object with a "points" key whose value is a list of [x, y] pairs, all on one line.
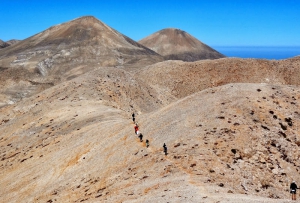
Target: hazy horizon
{"points": [[259, 52]]}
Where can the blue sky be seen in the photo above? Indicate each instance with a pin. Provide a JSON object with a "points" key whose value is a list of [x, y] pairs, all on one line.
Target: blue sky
{"points": [[214, 22]]}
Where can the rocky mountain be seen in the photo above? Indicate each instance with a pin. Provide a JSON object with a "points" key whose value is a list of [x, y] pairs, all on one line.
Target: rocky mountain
{"points": [[8, 43], [175, 44], [84, 40], [63, 52], [3, 44], [12, 41]]}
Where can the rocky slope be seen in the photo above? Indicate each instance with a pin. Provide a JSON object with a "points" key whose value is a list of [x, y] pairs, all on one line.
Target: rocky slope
{"points": [[74, 142], [180, 79], [70, 144], [8, 43], [85, 40], [3, 44], [175, 44], [63, 52], [12, 41]]}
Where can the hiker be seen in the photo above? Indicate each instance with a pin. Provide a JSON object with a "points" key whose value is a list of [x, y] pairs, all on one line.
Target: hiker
{"points": [[133, 118], [141, 137], [136, 129], [165, 149], [147, 143], [293, 188]]}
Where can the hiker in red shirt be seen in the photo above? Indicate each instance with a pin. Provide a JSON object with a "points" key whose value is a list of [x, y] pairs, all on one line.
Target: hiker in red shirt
{"points": [[136, 129]]}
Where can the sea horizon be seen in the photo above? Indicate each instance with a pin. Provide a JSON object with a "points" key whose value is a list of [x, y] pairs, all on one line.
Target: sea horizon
{"points": [[260, 52]]}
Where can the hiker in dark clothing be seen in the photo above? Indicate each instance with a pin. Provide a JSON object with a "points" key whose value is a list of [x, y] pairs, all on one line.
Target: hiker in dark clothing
{"points": [[147, 143], [293, 188], [165, 149], [141, 137], [133, 118]]}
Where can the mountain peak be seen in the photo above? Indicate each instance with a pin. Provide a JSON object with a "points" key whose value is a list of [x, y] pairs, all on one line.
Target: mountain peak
{"points": [[176, 44], [85, 19], [84, 40], [175, 30]]}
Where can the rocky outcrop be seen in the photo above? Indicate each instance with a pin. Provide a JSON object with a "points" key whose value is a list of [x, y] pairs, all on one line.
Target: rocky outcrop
{"points": [[3, 44], [12, 41], [8, 43]]}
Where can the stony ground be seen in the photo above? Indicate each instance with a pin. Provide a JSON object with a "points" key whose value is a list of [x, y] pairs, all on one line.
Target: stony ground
{"points": [[75, 141]]}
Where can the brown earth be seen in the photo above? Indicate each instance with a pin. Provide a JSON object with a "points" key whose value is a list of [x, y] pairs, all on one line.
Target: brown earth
{"points": [[74, 142], [63, 52], [175, 44], [180, 79]]}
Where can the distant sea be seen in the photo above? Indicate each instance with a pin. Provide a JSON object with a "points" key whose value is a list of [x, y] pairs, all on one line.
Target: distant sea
{"points": [[259, 52]]}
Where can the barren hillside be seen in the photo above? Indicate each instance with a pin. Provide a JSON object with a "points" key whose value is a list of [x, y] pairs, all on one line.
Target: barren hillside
{"points": [[8, 43], [84, 40], [3, 44], [63, 52], [180, 79], [175, 44], [71, 143]]}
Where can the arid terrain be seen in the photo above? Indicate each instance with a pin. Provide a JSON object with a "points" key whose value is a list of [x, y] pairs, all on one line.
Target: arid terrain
{"points": [[176, 44], [230, 124], [3, 44], [63, 52], [8, 43]]}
